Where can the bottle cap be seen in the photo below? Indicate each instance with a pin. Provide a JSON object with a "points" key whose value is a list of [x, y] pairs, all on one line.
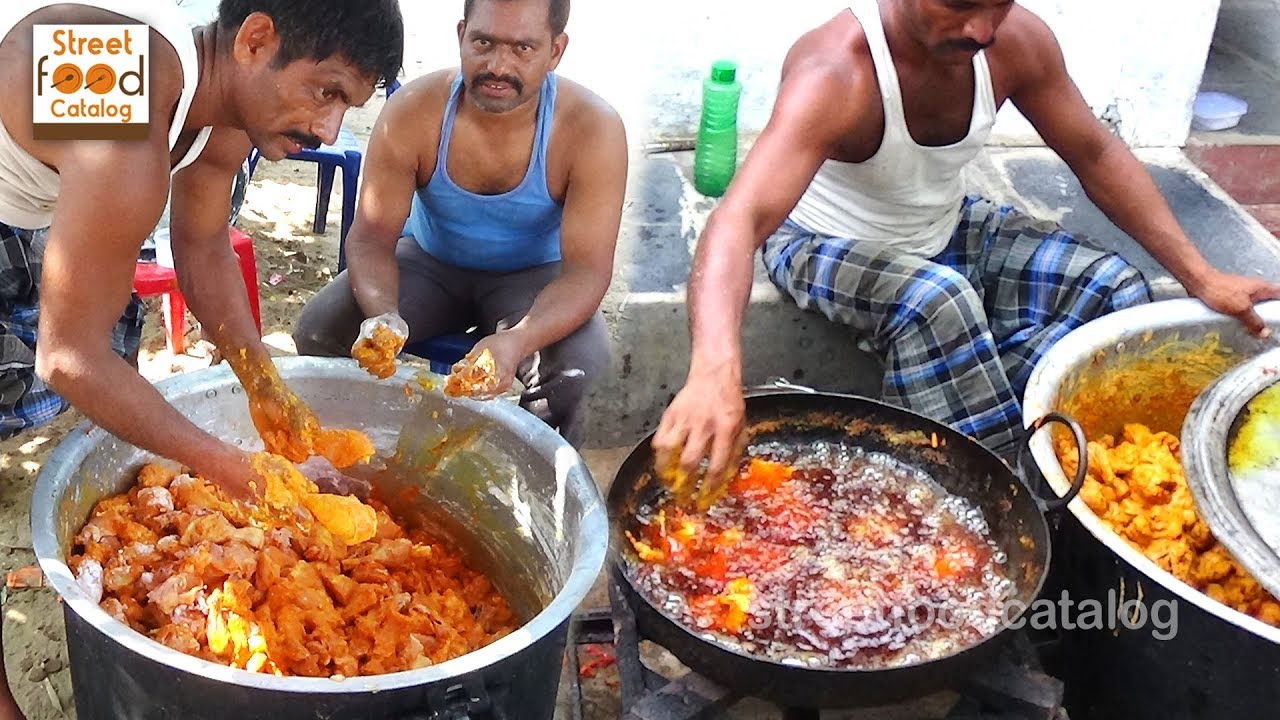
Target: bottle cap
{"points": [[724, 71]]}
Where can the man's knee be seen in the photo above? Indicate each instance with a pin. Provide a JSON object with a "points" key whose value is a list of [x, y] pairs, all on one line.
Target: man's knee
{"points": [[942, 299], [583, 356], [573, 364], [26, 401], [1128, 288], [562, 376], [322, 329], [329, 321], [314, 338]]}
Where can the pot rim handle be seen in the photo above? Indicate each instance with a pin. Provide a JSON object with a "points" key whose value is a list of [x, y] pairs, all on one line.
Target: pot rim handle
{"points": [[1055, 504], [776, 385], [465, 700]]}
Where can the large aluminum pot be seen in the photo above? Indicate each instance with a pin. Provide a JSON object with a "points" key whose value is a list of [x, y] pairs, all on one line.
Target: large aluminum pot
{"points": [[508, 488], [1147, 365]]}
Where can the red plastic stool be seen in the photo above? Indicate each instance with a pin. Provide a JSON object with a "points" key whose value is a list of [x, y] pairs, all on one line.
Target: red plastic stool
{"points": [[151, 279]]}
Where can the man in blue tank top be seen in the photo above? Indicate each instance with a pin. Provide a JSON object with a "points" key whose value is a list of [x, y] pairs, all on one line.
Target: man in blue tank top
{"points": [[492, 197]]}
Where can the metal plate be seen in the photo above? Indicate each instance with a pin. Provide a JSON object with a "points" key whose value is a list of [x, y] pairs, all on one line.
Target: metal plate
{"points": [[1241, 506]]}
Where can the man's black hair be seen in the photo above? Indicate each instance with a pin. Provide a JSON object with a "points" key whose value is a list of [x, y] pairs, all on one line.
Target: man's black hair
{"points": [[557, 14], [367, 33]]}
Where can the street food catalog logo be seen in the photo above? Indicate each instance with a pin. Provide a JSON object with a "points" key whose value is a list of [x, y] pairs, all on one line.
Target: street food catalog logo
{"points": [[90, 82]]}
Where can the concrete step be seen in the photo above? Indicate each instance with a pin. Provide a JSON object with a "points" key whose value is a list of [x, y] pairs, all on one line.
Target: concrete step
{"points": [[645, 308]]}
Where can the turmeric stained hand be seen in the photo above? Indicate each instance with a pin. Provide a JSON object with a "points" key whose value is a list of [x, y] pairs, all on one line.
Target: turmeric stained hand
{"points": [[286, 488], [287, 425], [343, 447], [476, 375]]}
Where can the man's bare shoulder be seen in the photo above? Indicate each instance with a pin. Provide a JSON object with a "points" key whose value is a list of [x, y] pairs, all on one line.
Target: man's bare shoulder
{"points": [[828, 66], [421, 98], [1025, 46], [433, 86], [224, 151], [582, 110]]}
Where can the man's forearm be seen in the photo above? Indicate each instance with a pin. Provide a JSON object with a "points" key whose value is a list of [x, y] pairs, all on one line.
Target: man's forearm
{"points": [[212, 285], [562, 307], [217, 296], [114, 396], [718, 292], [1123, 189], [375, 277]]}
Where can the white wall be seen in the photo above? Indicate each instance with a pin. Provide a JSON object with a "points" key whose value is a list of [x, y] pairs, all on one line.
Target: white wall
{"points": [[648, 58], [1145, 56]]}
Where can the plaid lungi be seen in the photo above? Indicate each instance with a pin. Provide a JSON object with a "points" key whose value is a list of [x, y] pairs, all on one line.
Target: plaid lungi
{"points": [[25, 400], [960, 332]]}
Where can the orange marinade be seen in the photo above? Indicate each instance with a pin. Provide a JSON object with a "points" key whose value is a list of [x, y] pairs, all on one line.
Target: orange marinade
{"points": [[1137, 486], [301, 584], [377, 354]]}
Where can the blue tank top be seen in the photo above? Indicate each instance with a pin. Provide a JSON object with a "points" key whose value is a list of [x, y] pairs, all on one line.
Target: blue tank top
{"points": [[511, 231]]}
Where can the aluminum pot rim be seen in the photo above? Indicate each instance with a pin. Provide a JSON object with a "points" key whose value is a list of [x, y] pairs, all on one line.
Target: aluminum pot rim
{"points": [[592, 538], [1051, 373], [1207, 473]]}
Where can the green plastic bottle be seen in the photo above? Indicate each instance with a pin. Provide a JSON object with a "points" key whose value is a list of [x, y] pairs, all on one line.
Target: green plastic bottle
{"points": [[715, 157]]}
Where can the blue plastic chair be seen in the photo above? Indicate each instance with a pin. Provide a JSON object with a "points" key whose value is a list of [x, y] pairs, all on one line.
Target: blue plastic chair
{"points": [[346, 155], [442, 351]]}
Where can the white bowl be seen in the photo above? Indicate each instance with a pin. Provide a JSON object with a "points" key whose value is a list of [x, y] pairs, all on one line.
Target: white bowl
{"points": [[1217, 111]]}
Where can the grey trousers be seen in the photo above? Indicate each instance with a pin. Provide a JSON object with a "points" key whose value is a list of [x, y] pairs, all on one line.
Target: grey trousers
{"points": [[437, 299]]}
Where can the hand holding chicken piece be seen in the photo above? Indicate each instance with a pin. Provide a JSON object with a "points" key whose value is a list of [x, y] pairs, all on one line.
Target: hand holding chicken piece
{"points": [[380, 342], [474, 376]]}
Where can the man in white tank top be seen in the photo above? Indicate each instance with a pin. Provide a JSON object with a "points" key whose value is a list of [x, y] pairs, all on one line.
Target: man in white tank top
{"points": [[853, 189], [275, 74]]}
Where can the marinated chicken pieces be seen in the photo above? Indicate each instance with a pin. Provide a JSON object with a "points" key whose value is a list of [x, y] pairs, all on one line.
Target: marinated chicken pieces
{"points": [[473, 376], [302, 584], [377, 354], [1137, 486]]}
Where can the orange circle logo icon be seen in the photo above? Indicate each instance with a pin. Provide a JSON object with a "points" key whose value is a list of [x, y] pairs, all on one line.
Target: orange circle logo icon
{"points": [[101, 79], [67, 78]]}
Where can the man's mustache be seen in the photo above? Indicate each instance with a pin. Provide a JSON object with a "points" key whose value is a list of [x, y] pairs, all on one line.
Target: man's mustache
{"points": [[508, 79], [306, 140]]}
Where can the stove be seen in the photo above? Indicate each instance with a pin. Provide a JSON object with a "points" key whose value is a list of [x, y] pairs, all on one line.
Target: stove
{"points": [[1015, 687]]}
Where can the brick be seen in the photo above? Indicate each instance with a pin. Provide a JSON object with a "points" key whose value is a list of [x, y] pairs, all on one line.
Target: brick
{"points": [[1250, 174]]}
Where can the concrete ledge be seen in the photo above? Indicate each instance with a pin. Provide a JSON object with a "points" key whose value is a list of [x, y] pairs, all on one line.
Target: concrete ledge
{"points": [[645, 308], [1038, 182], [650, 339]]}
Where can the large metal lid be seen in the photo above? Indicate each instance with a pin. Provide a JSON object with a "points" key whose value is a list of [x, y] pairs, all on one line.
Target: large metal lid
{"points": [[1231, 455]]}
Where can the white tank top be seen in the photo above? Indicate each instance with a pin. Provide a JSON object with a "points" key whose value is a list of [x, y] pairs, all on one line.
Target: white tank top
{"points": [[906, 196], [28, 187]]}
